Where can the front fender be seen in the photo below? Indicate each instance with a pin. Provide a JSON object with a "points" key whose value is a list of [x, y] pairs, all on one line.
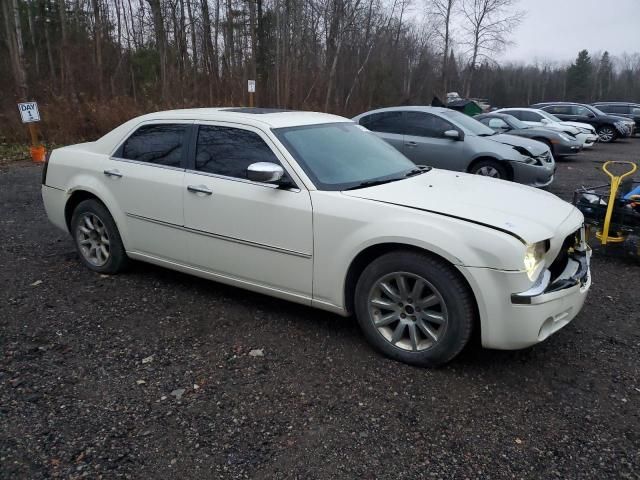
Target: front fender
{"points": [[340, 239]]}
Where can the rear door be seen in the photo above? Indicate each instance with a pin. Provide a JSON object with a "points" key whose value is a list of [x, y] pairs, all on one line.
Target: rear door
{"points": [[425, 143], [387, 125], [252, 232], [145, 175]]}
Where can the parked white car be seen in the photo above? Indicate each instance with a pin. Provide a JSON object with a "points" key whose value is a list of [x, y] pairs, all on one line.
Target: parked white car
{"points": [[314, 208], [583, 132]]}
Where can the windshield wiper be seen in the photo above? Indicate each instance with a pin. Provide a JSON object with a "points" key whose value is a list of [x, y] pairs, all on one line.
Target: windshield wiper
{"points": [[373, 183], [417, 171]]}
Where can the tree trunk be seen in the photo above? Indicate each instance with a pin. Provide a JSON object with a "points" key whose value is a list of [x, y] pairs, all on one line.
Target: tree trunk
{"points": [[16, 50]]}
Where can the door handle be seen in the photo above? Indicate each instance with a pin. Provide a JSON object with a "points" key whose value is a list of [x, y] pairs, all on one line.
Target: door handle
{"points": [[112, 173], [199, 189], [411, 144]]}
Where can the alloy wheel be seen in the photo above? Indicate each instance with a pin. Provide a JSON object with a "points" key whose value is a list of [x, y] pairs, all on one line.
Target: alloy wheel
{"points": [[408, 311], [606, 134], [93, 239], [488, 171]]}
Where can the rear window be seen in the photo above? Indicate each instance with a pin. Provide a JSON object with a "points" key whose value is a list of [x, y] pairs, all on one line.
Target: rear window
{"points": [[160, 144]]}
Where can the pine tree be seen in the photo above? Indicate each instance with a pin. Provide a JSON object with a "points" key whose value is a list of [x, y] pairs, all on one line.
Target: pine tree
{"points": [[604, 77], [579, 78]]}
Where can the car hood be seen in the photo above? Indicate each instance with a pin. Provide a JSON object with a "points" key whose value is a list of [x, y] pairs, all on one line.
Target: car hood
{"points": [[536, 148], [525, 212]]}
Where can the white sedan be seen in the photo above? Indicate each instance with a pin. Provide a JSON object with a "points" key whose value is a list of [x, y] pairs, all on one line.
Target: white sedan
{"points": [[583, 132], [314, 208]]}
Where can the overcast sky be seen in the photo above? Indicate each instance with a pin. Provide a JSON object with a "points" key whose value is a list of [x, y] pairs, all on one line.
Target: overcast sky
{"points": [[557, 29]]}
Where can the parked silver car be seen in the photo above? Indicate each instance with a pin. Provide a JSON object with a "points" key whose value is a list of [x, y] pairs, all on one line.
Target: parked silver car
{"points": [[445, 138]]}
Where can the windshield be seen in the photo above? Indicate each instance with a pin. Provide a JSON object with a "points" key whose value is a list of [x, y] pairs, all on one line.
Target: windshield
{"points": [[339, 156], [514, 122], [468, 124]]}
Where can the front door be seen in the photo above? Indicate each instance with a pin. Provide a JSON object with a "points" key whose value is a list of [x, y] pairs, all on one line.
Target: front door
{"points": [[252, 232], [425, 143]]}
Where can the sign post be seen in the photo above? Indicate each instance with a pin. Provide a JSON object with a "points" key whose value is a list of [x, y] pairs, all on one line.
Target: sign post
{"points": [[30, 115], [251, 88]]}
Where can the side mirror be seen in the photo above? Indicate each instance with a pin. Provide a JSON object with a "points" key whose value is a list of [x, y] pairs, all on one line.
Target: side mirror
{"points": [[452, 134], [264, 172], [545, 121], [590, 115]]}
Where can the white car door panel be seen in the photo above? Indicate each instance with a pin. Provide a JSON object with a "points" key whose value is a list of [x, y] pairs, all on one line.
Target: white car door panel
{"points": [[246, 230], [150, 194]]}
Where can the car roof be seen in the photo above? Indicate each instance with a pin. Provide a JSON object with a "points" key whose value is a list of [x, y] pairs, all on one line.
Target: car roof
{"points": [[615, 103], [526, 109], [256, 117], [415, 108], [270, 117], [562, 103], [493, 114]]}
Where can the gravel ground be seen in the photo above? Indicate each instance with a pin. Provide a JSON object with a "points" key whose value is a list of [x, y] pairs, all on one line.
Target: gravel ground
{"points": [[151, 374]]}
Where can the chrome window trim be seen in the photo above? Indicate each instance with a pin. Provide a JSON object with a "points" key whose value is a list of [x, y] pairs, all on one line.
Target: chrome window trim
{"points": [[139, 162], [243, 180], [223, 237]]}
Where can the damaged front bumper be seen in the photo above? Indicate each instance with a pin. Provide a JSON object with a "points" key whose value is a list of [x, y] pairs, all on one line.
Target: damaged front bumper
{"points": [[574, 277]]}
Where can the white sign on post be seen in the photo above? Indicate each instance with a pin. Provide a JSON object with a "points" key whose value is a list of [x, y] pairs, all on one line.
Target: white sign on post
{"points": [[251, 86], [29, 112]]}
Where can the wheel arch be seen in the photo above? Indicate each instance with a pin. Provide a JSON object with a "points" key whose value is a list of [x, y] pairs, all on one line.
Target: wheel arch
{"points": [[76, 197], [370, 253], [488, 158]]}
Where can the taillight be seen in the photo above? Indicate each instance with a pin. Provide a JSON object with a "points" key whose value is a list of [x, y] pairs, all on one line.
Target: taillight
{"points": [[45, 167]]}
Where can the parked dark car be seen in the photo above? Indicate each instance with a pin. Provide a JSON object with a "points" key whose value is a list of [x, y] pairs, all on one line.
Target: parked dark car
{"points": [[609, 127], [621, 109], [559, 143]]}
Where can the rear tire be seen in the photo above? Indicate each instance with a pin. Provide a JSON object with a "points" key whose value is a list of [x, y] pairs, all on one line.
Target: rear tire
{"points": [[490, 168], [414, 308], [607, 134], [97, 238]]}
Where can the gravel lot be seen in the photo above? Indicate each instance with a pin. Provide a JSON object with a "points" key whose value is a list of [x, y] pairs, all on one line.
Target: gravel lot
{"points": [[149, 375]]}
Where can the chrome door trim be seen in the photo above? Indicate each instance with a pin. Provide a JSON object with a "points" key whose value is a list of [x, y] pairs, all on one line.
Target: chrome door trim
{"points": [[240, 241], [149, 164], [243, 180]]}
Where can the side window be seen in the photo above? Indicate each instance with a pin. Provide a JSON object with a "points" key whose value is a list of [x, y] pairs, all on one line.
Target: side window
{"points": [[527, 116], [229, 151], [160, 144], [422, 124], [559, 109], [384, 122], [620, 109], [516, 113], [635, 111], [581, 111]]}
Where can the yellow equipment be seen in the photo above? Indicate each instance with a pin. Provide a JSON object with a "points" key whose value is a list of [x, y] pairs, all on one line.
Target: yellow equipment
{"points": [[603, 235]]}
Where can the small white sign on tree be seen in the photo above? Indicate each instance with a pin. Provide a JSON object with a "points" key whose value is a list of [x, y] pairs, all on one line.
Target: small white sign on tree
{"points": [[251, 86], [29, 112]]}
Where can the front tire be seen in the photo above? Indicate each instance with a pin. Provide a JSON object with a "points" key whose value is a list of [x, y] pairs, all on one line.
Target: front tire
{"points": [[490, 168], [607, 134], [97, 238], [414, 308]]}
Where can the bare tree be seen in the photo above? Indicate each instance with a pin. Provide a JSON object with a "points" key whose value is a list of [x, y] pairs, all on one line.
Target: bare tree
{"points": [[487, 25], [14, 42], [442, 11]]}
